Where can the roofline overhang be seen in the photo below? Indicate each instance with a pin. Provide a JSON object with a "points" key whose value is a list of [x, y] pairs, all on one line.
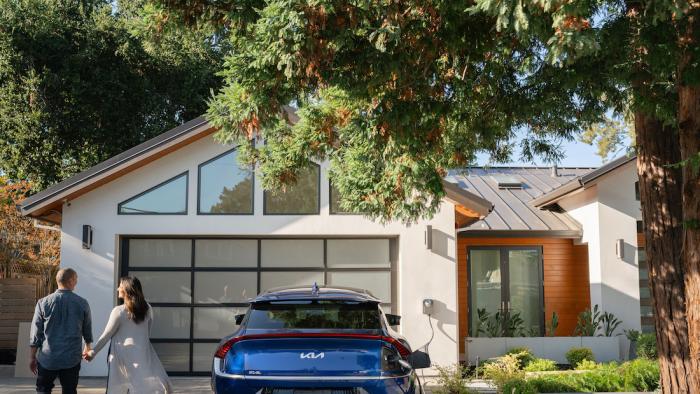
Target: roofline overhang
{"points": [[466, 233], [582, 182], [35, 205], [54, 196], [471, 201]]}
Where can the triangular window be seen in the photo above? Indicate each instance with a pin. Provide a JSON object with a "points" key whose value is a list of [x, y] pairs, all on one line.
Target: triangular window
{"points": [[167, 198]]}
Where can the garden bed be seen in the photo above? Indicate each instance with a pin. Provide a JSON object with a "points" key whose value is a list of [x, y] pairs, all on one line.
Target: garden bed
{"points": [[553, 348]]}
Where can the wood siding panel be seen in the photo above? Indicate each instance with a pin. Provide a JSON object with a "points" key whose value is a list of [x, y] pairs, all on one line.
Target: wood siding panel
{"points": [[17, 299], [566, 283]]}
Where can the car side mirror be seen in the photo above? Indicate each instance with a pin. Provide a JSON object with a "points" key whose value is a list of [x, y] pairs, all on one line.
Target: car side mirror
{"points": [[419, 360], [393, 320], [239, 319]]}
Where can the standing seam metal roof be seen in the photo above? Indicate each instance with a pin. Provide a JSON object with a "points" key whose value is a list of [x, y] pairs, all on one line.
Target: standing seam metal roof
{"points": [[512, 208]]}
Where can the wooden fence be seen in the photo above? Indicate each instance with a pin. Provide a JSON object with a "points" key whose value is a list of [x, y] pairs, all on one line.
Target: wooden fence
{"points": [[17, 300]]}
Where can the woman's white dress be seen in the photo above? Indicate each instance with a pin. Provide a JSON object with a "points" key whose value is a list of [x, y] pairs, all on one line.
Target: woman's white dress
{"points": [[134, 366]]}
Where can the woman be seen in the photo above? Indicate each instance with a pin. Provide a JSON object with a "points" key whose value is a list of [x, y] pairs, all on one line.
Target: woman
{"points": [[134, 366]]}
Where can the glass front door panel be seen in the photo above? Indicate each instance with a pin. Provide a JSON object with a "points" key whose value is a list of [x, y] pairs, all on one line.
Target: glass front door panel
{"points": [[524, 288], [485, 274], [505, 291]]}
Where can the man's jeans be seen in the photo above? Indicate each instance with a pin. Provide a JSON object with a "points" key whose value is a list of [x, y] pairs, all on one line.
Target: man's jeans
{"points": [[68, 378]]}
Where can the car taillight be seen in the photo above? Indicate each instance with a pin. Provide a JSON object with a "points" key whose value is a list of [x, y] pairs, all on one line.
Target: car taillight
{"points": [[402, 349], [225, 347]]}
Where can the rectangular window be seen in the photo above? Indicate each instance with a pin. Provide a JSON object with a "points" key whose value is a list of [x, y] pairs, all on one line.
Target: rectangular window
{"points": [[645, 309], [506, 297], [636, 190], [224, 187], [301, 198], [315, 315]]}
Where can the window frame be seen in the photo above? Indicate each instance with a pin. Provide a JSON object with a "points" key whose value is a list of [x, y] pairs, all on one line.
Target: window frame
{"points": [[165, 182], [199, 188], [505, 279], [318, 199]]}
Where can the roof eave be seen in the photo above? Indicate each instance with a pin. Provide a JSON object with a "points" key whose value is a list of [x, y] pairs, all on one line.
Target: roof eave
{"points": [[35, 205], [553, 196], [467, 233], [457, 195]]}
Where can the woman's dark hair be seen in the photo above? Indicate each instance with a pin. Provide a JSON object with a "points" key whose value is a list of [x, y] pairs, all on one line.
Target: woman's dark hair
{"points": [[134, 301]]}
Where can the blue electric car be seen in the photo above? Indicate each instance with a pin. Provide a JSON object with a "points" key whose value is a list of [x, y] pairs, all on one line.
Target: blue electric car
{"points": [[316, 340]]}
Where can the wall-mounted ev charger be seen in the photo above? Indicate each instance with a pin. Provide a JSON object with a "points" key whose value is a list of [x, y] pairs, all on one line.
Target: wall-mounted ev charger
{"points": [[428, 306]]}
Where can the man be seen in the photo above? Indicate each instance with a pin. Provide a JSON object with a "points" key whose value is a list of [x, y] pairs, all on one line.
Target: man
{"points": [[61, 323]]}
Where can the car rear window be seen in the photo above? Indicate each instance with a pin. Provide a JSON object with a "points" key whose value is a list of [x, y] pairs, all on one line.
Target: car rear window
{"points": [[321, 314]]}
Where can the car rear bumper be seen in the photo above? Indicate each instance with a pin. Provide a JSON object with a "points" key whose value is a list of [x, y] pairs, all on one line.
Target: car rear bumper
{"points": [[262, 386], [224, 383]]}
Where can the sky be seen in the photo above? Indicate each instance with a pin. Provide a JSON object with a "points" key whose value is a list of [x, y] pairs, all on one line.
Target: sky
{"points": [[577, 154]]}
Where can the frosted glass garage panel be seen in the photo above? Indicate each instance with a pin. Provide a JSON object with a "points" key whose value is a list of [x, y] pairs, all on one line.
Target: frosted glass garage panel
{"points": [[222, 287], [203, 356], [165, 286], [292, 253], [170, 322], [358, 253], [378, 283], [234, 253], [174, 356], [215, 323], [269, 280], [160, 253]]}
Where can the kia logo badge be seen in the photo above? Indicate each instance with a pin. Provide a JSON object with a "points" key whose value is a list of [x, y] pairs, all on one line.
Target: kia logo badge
{"points": [[312, 355]]}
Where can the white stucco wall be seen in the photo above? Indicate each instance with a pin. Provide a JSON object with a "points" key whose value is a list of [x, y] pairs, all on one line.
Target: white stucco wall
{"points": [[607, 212], [421, 273]]}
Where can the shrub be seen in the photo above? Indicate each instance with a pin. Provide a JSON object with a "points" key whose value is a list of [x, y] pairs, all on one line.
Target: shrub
{"points": [[577, 354], [517, 385], [584, 365], [540, 365], [501, 368], [646, 346], [451, 380], [640, 375], [600, 380], [523, 354]]}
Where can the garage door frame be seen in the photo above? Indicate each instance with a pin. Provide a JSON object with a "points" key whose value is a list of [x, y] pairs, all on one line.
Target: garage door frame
{"points": [[259, 269]]}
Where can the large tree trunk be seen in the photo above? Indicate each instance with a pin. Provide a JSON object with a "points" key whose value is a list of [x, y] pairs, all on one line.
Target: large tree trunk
{"points": [[689, 125], [689, 129], [660, 189]]}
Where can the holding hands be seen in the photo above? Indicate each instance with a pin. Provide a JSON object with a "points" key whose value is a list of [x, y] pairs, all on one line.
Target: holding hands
{"points": [[88, 353]]}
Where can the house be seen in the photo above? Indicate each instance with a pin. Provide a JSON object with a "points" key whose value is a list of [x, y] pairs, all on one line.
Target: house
{"points": [[559, 240], [179, 213]]}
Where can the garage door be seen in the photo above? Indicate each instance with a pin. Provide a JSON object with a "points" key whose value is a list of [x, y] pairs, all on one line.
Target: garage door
{"points": [[197, 285]]}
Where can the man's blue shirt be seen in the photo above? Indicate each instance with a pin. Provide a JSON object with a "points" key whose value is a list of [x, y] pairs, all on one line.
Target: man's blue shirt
{"points": [[61, 321]]}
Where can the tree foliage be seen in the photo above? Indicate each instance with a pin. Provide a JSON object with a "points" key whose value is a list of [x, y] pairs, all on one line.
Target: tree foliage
{"points": [[612, 136], [21, 242], [392, 93], [81, 81]]}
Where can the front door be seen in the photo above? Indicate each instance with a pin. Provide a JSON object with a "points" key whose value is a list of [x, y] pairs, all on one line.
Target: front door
{"points": [[506, 296]]}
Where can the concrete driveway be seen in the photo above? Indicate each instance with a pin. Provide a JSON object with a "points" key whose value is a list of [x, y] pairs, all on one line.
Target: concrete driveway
{"points": [[97, 385]]}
